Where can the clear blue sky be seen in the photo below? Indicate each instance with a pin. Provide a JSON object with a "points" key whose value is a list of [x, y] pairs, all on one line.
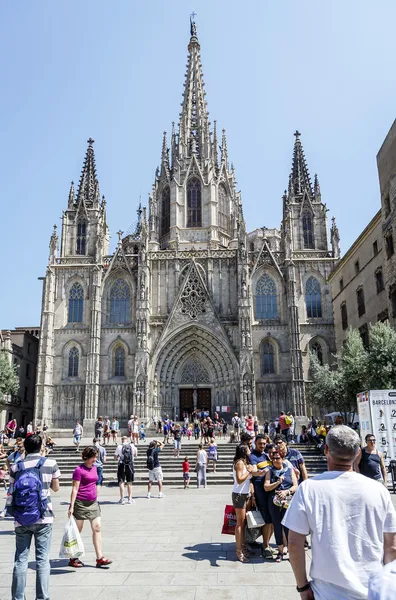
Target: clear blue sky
{"points": [[71, 69]]}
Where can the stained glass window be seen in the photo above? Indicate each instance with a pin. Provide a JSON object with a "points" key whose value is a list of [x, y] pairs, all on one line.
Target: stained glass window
{"points": [[266, 304], [120, 302], [165, 217], [224, 219], [313, 298], [307, 230], [81, 245], [194, 209], [267, 358], [119, 362], [76, 303], [74, 357]]}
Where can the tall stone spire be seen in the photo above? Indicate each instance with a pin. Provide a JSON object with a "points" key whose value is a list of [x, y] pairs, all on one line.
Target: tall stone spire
{"points": [[300, 180], [194, 135], [88, 189]]}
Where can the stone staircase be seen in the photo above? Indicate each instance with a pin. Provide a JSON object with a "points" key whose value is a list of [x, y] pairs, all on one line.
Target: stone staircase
{"points": [[67, 459]]}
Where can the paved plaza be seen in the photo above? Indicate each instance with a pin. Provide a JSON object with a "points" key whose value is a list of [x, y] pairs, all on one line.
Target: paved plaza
{"points": [[168, 548]]}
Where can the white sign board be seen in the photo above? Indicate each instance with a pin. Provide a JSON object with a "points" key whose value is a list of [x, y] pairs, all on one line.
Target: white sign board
{"points": [[377, 414]]}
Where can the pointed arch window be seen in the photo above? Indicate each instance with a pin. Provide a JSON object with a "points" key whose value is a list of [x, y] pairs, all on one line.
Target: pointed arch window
{"points": [[119, 362], [81, 245], [165, 211], [120, 302], [307, 227], [76, 303], [194, 203], [318, 350], [313, 298], [224, 213], [74, 358], [267, 352], [266, 301]]}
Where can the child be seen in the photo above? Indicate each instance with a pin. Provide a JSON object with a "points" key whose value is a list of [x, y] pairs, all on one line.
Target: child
{"points": [[189, 433], [186, 472], [142, 433]]}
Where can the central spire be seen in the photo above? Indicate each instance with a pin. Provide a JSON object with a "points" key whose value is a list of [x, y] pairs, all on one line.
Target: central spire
{"points": [[300, 180], [194, 134], [88, 189]]}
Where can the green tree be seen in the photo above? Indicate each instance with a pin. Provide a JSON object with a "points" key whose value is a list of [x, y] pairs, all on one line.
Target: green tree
{"points": [[324, 387], [382, 358], [9, 381], [353, 365]]}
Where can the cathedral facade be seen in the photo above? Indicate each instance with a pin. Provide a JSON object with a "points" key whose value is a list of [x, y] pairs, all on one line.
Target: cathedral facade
{"points": [[191, 310]]}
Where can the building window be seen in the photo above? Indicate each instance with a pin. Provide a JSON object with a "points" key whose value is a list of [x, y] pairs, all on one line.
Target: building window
{"points": [[81, 245], [341, 285], [119, 362], [267, 358], [25, 395], [27, 370], [307, 230], [223, 210], [76, 300], [317, 349], [194, 209], [387, 205], [344, 316], [383, 316], [74, 357], [313, 298], [375, 248], [357, 267], [165, 221], [392, 297], [389, 245], [29, 347], [360, 301], [364, 334], [251, 246], [120, 302], [379, 280], [266, 303]]}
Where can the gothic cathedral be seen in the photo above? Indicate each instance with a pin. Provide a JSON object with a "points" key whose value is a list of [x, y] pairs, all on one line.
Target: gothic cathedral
{"points": [[190, 311]]}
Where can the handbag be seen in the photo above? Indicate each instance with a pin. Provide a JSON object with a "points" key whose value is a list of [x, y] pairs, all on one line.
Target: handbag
{"points": [[254, 519], [230, 520], [282, 503]]}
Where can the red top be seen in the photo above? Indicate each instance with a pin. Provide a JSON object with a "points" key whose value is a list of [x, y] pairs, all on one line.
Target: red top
{"points": [[250, 424], [186, 466], [282, 422]]}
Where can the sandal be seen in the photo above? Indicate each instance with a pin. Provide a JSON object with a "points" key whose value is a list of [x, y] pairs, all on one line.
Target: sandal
{"points": [[76, 563], [279, 557], [241, 557], [103, 562], [247, 552]]}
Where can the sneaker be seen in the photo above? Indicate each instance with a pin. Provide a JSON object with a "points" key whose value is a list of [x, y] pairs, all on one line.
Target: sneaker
{"points": [[160, 495], [267, 552], [2, 514], [148, 495], [103, 562], [131, 501], [121, 501]]}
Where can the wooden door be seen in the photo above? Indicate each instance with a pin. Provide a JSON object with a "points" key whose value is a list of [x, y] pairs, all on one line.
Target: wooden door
{"points": [[204, 399], [186, 402]]}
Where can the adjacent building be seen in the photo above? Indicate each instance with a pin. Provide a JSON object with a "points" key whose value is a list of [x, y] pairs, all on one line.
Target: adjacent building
{"points": [[191, 310], [20, 346]]}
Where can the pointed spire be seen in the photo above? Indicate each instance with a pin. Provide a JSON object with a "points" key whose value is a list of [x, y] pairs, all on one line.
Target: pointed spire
{"points": [[215, 145], [88, 189], [317, 194], [70, 202], [173, 145], [53, 246], [335, 239], [300, 179], [194, 134], [224, 151]]}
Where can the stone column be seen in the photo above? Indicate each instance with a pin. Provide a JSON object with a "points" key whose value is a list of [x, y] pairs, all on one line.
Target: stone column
{"points": [[93, 358]]}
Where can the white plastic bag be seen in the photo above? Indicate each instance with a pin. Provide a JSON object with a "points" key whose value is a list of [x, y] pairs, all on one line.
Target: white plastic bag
{"points": [[254, 519], [72, 545]]}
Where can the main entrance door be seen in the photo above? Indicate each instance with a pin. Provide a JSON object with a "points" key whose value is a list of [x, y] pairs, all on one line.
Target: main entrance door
{"points": [[204, 400]]}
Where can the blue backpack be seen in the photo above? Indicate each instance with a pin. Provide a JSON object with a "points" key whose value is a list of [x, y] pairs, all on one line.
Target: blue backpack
{"points": [[28, 506]]}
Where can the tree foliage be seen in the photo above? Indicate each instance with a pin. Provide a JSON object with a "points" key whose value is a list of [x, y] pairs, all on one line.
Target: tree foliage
{"points": [[355, 370], [9, 381]]}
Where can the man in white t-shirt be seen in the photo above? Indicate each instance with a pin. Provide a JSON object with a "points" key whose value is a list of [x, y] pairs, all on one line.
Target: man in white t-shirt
{"points": [[351, 520]]}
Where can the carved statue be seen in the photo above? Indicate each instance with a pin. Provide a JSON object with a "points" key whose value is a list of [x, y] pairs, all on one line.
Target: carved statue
{"points": [[195, 397], [244, 289]]}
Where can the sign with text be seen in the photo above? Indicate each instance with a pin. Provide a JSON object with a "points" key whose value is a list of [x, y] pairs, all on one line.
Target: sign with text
{"points": [[377, 414]]}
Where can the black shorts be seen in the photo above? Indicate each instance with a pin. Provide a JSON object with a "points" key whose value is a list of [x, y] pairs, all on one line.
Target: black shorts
{"points": [[125, 473]]}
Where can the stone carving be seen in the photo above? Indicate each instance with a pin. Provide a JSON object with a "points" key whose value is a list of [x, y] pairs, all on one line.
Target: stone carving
{"points": [[194, 372], [193, 297]]}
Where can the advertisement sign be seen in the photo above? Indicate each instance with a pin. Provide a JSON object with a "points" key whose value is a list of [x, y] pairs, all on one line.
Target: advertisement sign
{"points": [[377, 415], [363, 404]]}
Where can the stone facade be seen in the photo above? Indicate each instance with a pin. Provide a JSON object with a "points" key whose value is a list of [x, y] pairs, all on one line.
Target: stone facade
{"points": [[21, 348], [358, 284], [190, 310]]}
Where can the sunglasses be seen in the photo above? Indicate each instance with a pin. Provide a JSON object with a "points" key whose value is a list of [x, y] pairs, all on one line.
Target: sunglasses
{"points": [[371, 440]]}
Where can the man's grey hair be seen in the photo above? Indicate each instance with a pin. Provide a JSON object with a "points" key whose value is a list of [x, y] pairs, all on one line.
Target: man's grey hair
{"points": [[343, 443]]}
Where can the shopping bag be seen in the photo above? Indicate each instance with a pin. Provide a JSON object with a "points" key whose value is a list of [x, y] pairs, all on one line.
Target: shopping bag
{"points": [[229, 520], [254, 519], [72, 545], [251, 535]]}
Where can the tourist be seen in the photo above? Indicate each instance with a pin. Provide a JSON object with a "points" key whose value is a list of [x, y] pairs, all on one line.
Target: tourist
{"points": [[284, 425], [154, 467], [125, 453], [177, 435], [21, 431], [225, 428], [84, 504], [4, 476], [77, 435], [18, 453], [370, 462], [236, 423], [37, 521], [114, 429], [99, 429], [304, 437], [49, 445], [281, 482], [352, 522], [256, 426], [135, 428], [189, 433], [106, 431], [100, 460], [201, 465], [130, 427], [382, 584], [212, 453], [197, 429], [210, 429], [242, 472], [142, 433], [249, 422], [10, 428], [259, 458], [186, 472], [29, 429], [293, 456], [266, 428], [166, 429]]}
